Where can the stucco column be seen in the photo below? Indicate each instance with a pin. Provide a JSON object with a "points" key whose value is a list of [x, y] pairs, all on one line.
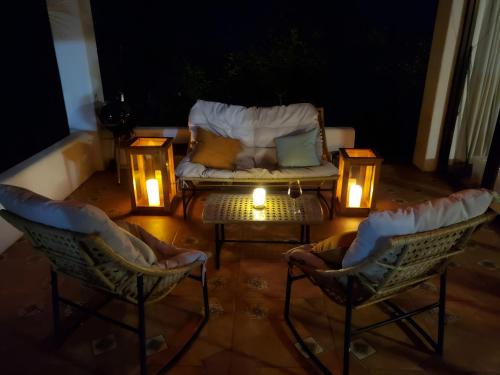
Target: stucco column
{"points": [[76, 53], [445, 44]]}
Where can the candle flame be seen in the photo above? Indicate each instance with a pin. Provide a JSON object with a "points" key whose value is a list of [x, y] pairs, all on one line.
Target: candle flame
{"points": [[259, 197], [355, 193], [153, 192]]}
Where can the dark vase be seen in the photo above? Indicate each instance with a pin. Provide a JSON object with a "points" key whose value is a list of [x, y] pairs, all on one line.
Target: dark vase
{"points": [[116, 116]]}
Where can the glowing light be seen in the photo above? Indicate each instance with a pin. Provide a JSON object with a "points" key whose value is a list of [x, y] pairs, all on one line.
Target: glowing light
{"points": [[355, 193], [259, 215], [259, 198], [153, 190]]}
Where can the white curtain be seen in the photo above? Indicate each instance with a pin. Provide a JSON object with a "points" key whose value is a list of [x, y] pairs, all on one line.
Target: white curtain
{"points": [[481, 98]]}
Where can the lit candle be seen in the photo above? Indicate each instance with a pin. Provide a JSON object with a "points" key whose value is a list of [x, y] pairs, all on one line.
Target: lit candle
{"points": [[355, 193], [153, 192], [259, 198]]}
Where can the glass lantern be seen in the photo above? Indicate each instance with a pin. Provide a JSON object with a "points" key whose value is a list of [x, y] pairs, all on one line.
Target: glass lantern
{"points": [[359, 171], [152, 178]]}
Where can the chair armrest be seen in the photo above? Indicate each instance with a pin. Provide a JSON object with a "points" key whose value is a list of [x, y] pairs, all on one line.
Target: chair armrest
{"points": [[162, 272], [91, 239], [340, 240]]}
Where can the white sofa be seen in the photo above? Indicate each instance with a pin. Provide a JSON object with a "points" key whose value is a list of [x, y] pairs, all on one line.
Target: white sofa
{"points": [[256, 128]]}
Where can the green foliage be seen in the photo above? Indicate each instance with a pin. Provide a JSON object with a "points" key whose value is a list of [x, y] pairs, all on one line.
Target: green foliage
{"points": [[195, 82], [284, 68]]}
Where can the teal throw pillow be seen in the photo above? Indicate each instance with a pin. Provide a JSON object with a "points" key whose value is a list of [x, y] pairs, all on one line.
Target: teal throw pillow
{"points": [[298, 150]]}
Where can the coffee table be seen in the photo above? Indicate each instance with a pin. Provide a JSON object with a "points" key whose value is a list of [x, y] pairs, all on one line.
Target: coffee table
{"points": [[233, 208]]}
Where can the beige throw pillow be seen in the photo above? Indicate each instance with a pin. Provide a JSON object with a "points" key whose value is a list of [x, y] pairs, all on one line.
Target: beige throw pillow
{"points": [[214, 151]]}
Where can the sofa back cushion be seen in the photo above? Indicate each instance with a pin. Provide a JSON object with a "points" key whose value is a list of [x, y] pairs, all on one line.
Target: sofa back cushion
{"points": [[430, 215], [254, 126], [232, 121], [73, 216], [279, 121]]}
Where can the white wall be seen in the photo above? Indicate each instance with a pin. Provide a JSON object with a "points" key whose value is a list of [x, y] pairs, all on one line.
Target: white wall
{"points": [[76, 52], [58, 170], [445, 43], [54, 172]]}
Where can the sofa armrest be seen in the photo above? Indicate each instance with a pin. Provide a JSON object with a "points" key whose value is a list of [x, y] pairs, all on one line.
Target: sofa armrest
{"points": [[337, 137]]}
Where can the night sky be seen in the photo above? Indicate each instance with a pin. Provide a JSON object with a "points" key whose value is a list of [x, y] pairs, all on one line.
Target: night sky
{"points": [[364, 61]]}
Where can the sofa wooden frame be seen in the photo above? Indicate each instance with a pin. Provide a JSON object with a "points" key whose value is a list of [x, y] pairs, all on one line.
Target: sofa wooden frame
{"points": [[189, 186]]}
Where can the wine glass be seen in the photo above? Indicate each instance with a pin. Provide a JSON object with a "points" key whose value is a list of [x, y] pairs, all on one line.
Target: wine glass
{"points": [[294, 192]]}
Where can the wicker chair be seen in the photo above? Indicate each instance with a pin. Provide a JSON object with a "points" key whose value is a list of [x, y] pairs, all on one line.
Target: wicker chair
{"points": [[406, 261], [88, 258]]}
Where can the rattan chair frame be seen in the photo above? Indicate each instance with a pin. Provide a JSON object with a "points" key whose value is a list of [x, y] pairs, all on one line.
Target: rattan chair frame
{"points": [[408, 260], [87, 258]]}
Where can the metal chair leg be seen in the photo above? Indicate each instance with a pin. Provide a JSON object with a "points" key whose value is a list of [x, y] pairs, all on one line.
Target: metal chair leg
{"points": [[206, 305], [187, 344], [290, 279], [287, 293], [332, 199], [442, 314], [140, 330], [184, 201], [347, 325], [218, 244], [116, 141], [142, 324], [55, 304]]}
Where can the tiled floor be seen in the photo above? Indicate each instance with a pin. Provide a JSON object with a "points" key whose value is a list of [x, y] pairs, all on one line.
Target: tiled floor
{"points": [[246, 333]]}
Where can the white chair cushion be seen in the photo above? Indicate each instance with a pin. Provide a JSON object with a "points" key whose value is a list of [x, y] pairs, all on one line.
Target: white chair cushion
{"points": [[74, 216], [430, 215]]}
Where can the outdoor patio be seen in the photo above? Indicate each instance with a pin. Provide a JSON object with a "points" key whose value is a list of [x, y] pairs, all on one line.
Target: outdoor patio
{"points": [[246, 333], [262, 188]]}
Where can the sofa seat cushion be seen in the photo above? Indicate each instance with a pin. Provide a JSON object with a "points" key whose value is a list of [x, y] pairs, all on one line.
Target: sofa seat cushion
{"points": [[187, 169], [74, 216]]}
